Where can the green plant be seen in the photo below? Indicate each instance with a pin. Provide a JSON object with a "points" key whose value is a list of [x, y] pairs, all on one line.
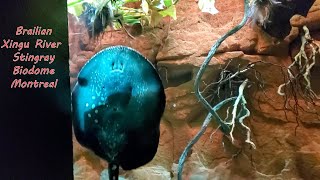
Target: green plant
{"points": [[150, 13]]}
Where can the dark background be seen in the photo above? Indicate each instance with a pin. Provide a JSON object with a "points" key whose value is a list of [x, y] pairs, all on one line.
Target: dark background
{"points": [[35, 124]]}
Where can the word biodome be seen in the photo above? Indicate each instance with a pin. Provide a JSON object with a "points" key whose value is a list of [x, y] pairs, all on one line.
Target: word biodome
{"points": [[20, 70]]}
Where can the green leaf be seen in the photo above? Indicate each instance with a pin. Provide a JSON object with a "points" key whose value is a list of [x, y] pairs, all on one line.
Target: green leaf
{"points": [[117, 25], [155, 18], [129, 1], [158, 4], [170, 11], [75, 8], [145, 6], [132, 21], [73, 2], [145, 20], [168, 3]]}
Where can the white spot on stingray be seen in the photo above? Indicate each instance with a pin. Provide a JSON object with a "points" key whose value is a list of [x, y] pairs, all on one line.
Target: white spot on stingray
{"points": [[89, 115], [87, 104], [93, 106], [96, 120], [96, 111], [93, 97]]}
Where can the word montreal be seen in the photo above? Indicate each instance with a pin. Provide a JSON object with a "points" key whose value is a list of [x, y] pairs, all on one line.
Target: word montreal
{"points": [[18, 83]]}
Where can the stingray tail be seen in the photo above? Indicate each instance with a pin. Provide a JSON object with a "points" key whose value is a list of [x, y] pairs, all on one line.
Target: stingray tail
{"points": [[113, 170]]}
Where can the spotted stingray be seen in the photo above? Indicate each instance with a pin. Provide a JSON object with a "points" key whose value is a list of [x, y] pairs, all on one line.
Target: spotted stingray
{"points": [[117, 104]]}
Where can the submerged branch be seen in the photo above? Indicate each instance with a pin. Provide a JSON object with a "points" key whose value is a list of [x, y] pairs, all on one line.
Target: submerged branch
{"points": [[199, 134], [212, 110], [211, 53]]}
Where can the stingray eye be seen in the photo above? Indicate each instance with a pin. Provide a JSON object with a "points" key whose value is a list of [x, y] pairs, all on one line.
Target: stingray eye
{"points": [[82, 81], [112, 65], [121, 66]]}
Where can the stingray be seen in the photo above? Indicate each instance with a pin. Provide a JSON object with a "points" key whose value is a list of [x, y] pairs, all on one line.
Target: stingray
{"points": [[117, 105]]}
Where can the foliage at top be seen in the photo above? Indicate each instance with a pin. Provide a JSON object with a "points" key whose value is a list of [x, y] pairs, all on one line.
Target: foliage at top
{"points": [[150, 12]]}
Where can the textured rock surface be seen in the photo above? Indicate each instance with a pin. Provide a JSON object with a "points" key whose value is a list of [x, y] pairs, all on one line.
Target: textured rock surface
{"points": [[178, 48]]}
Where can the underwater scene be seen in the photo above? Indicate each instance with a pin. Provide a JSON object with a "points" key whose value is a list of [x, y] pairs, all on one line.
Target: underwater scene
{"points": [[195, 89]]}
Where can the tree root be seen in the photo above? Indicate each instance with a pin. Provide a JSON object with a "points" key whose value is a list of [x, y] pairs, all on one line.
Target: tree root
{"points": [[298, 84], [235, 100], [240, 115], [304, 64]]}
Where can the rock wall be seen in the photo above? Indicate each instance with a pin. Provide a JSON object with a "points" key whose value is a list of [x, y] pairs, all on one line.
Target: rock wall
{"points": [[287, 147]]}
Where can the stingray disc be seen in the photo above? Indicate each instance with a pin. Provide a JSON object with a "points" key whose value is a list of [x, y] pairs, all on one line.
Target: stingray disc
{"points": [[117, 106]]}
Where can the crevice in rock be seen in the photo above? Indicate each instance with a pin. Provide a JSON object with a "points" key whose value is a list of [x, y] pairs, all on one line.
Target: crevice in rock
{"points": [[315, 79], [158, 48], [173, 76], [312, 124], [176, 57]]}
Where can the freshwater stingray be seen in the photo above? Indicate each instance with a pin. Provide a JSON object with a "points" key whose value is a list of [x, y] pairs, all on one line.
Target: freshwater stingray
{"points": [[117, 104]]}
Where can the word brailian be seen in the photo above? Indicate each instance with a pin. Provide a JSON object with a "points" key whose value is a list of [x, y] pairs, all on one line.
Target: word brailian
{"points": [[31, 58]]}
